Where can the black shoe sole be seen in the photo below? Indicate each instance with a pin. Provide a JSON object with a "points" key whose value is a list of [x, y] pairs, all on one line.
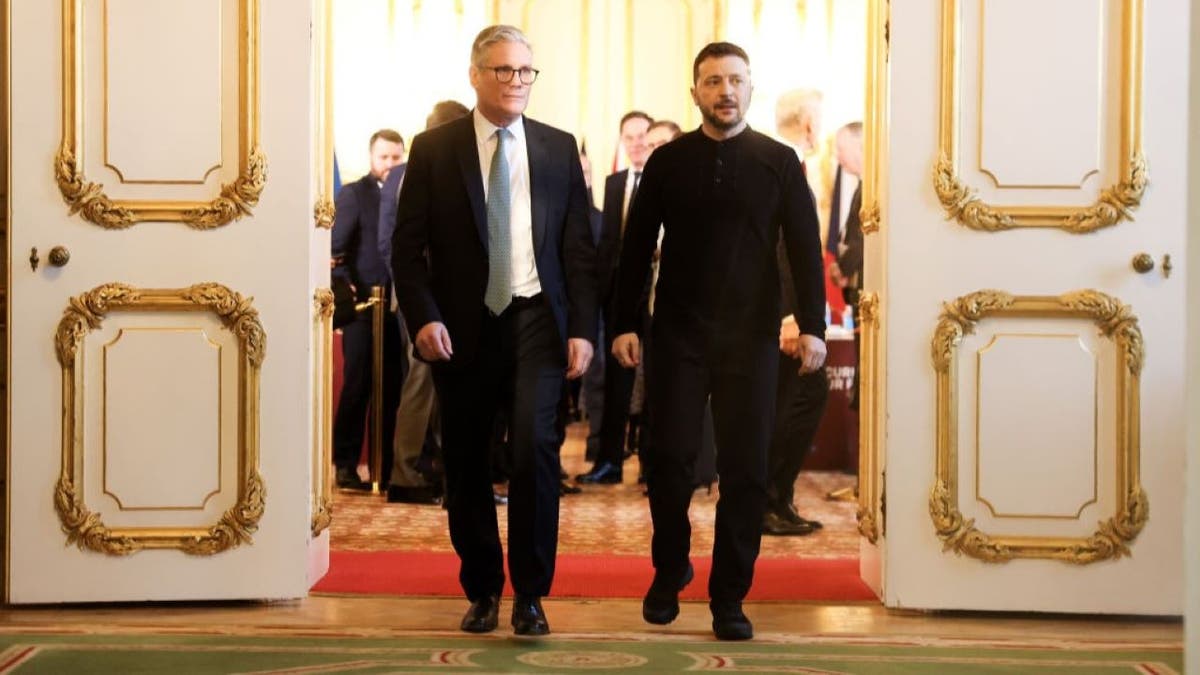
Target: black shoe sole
{"points": [[737, 631], [666, 615]]}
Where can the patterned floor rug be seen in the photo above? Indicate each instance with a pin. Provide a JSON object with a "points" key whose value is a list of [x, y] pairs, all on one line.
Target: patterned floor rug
{"points": [[56, 651], [608, 519]]}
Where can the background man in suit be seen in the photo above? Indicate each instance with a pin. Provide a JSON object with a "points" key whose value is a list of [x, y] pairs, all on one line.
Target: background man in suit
{"points": [[619, 190], [354, 245], [846, 273], [723, 194], [495, 271], [417, 400]]}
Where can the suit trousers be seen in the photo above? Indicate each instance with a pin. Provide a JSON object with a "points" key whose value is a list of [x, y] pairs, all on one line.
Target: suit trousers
{"points": [[618, 390], [349, 425], [417, 405], [519, 370], [799, 404], [738, 376], [593, 392]]}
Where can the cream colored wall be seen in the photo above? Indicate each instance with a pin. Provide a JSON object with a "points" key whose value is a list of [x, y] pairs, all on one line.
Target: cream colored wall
{"points": [[599, 59]]}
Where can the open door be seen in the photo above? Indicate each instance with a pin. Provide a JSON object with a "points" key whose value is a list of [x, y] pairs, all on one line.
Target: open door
{"points": [[161, 300], [1027, 292]]}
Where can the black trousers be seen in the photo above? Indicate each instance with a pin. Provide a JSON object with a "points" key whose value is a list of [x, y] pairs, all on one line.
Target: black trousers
{"points": [[349, 425], [618, 390], [740, 378], [799, 404], [520, 370]]}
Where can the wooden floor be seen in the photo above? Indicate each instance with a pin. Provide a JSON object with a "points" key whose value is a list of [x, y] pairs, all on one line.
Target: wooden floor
{"points": [[773, 621]]}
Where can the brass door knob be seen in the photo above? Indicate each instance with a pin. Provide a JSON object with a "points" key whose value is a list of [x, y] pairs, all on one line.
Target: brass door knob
{"points": [[1142, 262], [60, 256]]}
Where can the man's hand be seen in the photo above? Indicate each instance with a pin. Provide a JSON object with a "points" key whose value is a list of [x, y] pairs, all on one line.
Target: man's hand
{"points": [[836, 276], [433, 342], [628, 350], [789, 337], [812, 353], [579, 355]]}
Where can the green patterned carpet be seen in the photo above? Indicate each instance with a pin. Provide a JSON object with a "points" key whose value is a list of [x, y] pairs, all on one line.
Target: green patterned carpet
{"points": [[183, 654]]}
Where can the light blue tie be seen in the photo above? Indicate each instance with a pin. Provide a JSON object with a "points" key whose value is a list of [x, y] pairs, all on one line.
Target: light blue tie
{"points": [[499, 211]]}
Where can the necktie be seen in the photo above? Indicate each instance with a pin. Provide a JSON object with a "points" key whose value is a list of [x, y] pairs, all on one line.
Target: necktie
{"points": [[835, 215], [499, 284], [637, 179]]}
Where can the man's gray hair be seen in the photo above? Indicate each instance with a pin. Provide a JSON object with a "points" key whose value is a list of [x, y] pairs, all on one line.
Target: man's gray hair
{"points": [[794, 106], [493, 34]]}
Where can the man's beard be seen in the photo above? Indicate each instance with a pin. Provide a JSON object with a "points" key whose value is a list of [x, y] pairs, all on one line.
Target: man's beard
{"points": [[710, 116]]}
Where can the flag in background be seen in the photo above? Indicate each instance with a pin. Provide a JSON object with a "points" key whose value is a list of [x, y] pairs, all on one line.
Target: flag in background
{"points": [[337, 177]]}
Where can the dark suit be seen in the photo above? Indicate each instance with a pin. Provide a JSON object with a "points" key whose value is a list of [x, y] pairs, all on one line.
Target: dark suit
{"points": [[512, 362], [851, 263], [357, 258], [618, 381]]}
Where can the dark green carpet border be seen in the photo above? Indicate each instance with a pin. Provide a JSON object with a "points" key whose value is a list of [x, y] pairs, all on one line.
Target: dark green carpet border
{"points": [[203, 654]]}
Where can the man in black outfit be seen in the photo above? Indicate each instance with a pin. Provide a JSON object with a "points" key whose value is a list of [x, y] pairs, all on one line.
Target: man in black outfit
{"points": [[495, 273], [723, 195], [357, 259]]}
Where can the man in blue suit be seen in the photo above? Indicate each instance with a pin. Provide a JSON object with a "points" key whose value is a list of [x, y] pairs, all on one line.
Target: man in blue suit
{"points": [[357, 260], [495, 272]]}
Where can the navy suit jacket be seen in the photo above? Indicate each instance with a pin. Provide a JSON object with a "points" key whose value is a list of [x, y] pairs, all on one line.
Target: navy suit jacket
{"points": [[354, 241], [439, 250], [389, 195], [610, 232]]}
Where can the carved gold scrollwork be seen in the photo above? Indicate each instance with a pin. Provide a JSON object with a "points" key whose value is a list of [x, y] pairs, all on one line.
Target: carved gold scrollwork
{"points": [[236, 197], [323, 212], [88, 198], [1113, 536], [323, 303], [322, 493], [870, 217], [1113, 204], [869, 489], [961, 203], [86, 313]]}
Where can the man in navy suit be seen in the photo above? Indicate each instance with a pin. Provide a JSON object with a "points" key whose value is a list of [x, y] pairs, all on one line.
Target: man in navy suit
{"points": [[357, 260], [619, 190], [495, 272], [415, 422]]}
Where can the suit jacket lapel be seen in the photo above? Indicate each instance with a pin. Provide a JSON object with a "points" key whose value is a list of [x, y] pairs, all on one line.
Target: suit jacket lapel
{"points": [[539, 166], [468, 161]]}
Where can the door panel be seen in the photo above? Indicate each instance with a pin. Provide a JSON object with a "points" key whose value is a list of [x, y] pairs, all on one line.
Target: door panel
{"points": [[1031, 421], [157, 374]]}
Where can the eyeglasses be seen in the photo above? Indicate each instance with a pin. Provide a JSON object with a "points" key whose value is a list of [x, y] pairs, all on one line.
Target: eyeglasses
{"points": [[505, 73]]}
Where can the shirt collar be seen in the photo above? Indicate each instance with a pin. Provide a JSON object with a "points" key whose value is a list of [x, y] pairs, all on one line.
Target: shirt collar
{"points": [[484, 129]]}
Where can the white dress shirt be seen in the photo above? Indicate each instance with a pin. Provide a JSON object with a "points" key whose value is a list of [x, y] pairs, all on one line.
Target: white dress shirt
{"points": [[525, 282]]}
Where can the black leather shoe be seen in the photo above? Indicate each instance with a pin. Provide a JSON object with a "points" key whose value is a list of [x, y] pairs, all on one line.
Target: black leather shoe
{"points": [[729, 622], [347, 479], [604, 473], [661, 604], [789, 513], [528, 617], [565, 488], [774, 524], [404, 494], [482, 616]]}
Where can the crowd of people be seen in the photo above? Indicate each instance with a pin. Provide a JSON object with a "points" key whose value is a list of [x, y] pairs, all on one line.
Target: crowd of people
{"points": [[686, 318]]}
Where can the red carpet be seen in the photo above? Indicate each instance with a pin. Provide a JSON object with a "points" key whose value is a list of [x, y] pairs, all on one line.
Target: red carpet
{"points": [[590, 576]]}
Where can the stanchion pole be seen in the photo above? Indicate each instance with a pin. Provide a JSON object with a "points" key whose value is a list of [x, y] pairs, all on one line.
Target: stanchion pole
{"points": [[376, 428]]}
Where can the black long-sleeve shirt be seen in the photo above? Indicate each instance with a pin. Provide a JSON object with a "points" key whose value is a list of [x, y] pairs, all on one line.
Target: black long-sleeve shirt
{"points": [[723, 205]]}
